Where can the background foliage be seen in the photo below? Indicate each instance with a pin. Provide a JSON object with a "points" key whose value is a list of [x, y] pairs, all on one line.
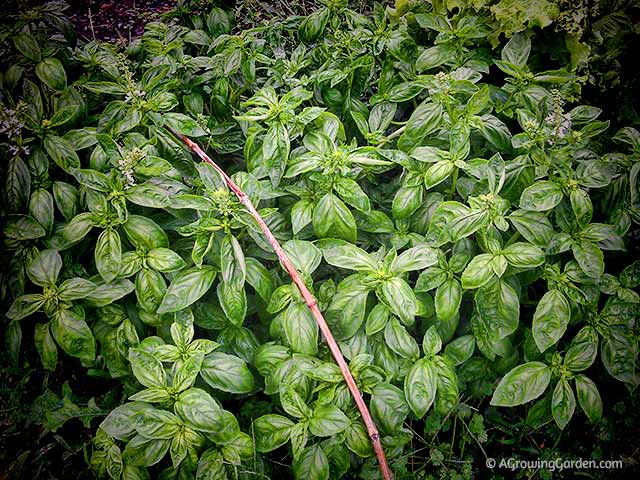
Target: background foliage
{"points": [[446, 176]]}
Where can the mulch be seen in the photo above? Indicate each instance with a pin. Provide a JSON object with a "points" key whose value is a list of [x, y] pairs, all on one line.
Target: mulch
{"points": [[115, 20], [122, 20]]}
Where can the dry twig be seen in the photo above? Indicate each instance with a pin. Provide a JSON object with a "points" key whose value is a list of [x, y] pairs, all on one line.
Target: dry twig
{"points": [[311, 302]]}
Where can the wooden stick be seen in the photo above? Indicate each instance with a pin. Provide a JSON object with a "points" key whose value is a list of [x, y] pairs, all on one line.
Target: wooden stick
{"points": [[312, 304]]}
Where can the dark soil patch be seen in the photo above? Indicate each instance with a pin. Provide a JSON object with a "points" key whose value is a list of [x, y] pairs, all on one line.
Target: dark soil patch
{"points": [[115, 20]]}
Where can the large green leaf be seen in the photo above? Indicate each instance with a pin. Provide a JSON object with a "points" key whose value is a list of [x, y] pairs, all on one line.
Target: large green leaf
{"points": [[312, 464], [271, 431], [227, 373], [522, 384], [420, 386], [74, 335], [349, 256], [550, 319], [108, 254], [589, 398], [187, 287], [45, 268], [563, 403], [400, 298], [332, 218]]}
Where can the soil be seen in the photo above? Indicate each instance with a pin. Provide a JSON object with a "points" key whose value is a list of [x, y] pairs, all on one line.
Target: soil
{"points": [[122, 20], [114, 20]]}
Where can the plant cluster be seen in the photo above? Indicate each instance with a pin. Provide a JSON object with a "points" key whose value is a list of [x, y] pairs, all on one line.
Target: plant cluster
{"points": [[460, 216]]}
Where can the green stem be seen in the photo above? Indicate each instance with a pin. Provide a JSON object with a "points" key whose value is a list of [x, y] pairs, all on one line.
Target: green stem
{"points": [[454, 183], [516, 236], [392, 135]]}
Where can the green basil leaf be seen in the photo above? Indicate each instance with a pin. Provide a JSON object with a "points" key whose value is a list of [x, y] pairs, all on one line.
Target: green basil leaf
{"points": [[406, 201], [119, 422], [332, 218], [227, 373], [211, 463], [346, 311], [522, 384], [589, 257], [438, 173], [73, 335], [305, 256], [478, 272], [349, 256], [183, 124], [431, 278], [185, 372], [46, 346], [312, 464], [198, 410], [260, 278], [186, 288], [300, 328], [448, 299], [460, 350], [51, 72], [416, 258], [233, 300], [271, 432], [327, 420], [108, 254], [234, 270], [420, 386], [75, 289], [275, 151], [105, 294], [145, 233], [377, 319], [424, 120], [41, 208], [358, 441], [352, 194], [23, 228], [397, 294], [25, 305], [432, 342], [550, 319], [517, 49], [581, 206], [541, 196], [563, 403], [156, 424], [144, 452], [589, 398], [165, 260], [62, 153], [535, 227], [45, 268], [388, 407], [580, 356], [524, 255], [78, 227], [434, 57], [400, 341], [147, 369], [27, 45], [498, 306], [301, 215]]}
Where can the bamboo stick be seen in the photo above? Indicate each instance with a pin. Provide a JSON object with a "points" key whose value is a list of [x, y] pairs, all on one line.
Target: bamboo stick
{"points": [[312, 304]]}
